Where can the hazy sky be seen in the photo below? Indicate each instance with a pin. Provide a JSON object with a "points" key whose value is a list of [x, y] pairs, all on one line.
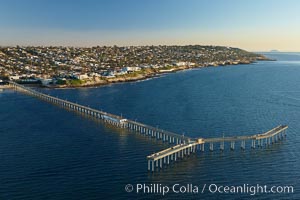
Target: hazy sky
{"points": [[254, 25]]}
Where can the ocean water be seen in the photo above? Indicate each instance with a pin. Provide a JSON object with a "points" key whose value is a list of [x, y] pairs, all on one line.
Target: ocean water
{"points": [[50, 153]]}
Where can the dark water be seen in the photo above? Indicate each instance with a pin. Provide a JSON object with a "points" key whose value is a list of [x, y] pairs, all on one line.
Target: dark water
{"points": [[50, 153]]}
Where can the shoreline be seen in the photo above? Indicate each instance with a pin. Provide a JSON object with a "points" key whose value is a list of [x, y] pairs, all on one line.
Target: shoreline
{"points": [[140, 77]]}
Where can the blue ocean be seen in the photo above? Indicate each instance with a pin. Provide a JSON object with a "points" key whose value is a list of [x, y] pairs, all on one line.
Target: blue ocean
{"points": [[47, 152]]}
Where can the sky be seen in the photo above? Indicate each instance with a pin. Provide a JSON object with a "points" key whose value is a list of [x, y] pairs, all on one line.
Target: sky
{"points": [[254, 25]]}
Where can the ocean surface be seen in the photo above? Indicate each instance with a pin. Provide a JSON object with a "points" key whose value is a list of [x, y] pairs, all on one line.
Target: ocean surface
{"points": [[50, 153]]}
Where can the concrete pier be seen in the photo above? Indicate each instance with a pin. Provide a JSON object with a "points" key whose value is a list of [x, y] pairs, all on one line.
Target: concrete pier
{"points": [[184, 146], [111, 119], [183, 150]]}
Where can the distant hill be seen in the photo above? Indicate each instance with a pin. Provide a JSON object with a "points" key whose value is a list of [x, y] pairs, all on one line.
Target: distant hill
{"points": [[274, 51]]}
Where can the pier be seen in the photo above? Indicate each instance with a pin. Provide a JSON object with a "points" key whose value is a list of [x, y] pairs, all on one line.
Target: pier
{"points": [[157, 160], [183, 146]]}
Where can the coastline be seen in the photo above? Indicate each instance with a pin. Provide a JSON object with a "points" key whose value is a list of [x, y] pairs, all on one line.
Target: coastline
{"points": [[79, 67], [145, 75]]}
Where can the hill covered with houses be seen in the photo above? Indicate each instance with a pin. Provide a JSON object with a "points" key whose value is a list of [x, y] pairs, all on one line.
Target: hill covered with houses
{"points": [[74, 67]]}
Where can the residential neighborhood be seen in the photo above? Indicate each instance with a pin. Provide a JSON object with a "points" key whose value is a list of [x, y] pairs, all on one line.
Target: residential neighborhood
{"points": [[74, 66]]}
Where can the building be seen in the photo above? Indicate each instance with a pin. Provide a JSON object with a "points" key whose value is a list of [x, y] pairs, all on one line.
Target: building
{"points": [[81, 76], [131, 69], [47, 81], [16, 77]]}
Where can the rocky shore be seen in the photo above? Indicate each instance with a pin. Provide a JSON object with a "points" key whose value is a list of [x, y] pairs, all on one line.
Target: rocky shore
{"points": [[146, 74], [69, 67]]}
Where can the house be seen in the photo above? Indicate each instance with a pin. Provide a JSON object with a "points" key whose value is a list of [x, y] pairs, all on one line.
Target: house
{"points": [[120, 72], [93, 74], [131, 69], [156, 66], [178, 64], [47, 81], [145, 66], [109, 74], [15, 77], [81, 76], [191, 64]]}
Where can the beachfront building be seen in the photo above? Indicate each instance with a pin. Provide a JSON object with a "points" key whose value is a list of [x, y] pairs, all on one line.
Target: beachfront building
{"points": [[131, 69], [81, 76]]}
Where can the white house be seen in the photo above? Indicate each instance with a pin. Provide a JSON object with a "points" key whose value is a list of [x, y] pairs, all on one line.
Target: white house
{"points": [[184, 64], [131, 69], [46, 81], [16, 77], [81, 76], [181, 64], [94, 74]]}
